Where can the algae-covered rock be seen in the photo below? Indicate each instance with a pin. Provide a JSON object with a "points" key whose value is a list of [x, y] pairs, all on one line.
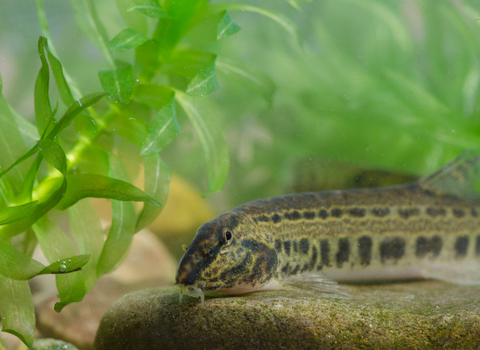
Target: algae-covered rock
{"points": [[426, 314], [52, 344]]}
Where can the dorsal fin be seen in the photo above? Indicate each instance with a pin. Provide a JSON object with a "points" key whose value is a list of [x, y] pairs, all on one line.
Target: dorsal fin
{"points": [[459, 177]]}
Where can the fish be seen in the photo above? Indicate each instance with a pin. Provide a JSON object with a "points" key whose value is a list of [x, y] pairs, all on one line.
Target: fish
{"points": [[426, 229]]}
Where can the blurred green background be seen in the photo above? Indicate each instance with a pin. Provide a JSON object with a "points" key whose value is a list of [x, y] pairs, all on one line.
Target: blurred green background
{"points": [[382, 84]]}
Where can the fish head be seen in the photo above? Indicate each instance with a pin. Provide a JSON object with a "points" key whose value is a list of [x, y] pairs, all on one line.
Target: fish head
{"points": [[227, 255]]}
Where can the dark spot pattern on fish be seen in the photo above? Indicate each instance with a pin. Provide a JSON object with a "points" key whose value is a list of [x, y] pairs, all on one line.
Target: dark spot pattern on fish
{"points": [[461, 247], [325, 252], [286, 247], [295, 245], [294, 215], [278, 245], [365, 250], [309, 215], [425, 245], [343, 252], [262, 218], [458, 213], [405, 213], [474, 213], [276, 218], [295, 270], [392, 249], [380, 212], [304, 246], [323, 214], [336, 212], [357, 212], [434, 212], [286, 269], [313, 259]]}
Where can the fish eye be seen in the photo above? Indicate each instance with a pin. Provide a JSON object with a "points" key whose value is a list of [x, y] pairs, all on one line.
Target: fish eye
{"points": [[227, 236]]}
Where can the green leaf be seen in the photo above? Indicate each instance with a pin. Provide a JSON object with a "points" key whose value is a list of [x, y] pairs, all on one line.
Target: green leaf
{"points": [[147, 59], [88, 236], [157, 178], [43, 110], [12, 144], [62, 85], [226, 27], [28, 131], [76, 108], [118, 83], [133, 19], [122, 229], [16, 265], [162, 130], [155, 96], [87, 19], [15, 213], [187, 63], [211, 138], [53, 154], [150, 8], [204, 82], [66, 265], [129, 124], [56, 245], [283, 21], [125, 40], [16, 309], [97, 186]]}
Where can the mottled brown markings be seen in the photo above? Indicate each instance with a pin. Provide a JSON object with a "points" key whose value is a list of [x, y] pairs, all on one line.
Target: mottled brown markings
{"points": [[323, 214], [357, 212], [392, 248], [425, 245], [304, 246], [477, 246], [336, 212], [343, 252], [458, 213], [461, 247], [408, 212], [293, 216], [380, 212], [365, 250], [309, 215], [325, 252], [276, 218], [434, 212]]}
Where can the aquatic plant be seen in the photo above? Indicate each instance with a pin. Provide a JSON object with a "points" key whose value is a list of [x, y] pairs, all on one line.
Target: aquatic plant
{"points": [[79, 146]]}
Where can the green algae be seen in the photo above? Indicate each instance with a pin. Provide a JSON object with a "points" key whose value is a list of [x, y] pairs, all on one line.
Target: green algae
{"points": [[426, 314]]}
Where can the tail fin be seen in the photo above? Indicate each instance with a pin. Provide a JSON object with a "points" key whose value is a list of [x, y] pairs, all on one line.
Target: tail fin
{"points": [[459, 177]]}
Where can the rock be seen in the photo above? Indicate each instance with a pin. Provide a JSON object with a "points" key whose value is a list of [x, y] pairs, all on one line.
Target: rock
{"points": [[52, 344], [148, 264], [426, 314]]}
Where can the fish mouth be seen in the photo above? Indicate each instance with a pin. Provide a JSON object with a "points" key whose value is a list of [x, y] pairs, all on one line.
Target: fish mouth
{"points": [[196, 291]]}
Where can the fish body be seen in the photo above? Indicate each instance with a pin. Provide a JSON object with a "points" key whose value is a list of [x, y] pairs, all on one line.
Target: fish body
{"points": [[391, 233]]}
